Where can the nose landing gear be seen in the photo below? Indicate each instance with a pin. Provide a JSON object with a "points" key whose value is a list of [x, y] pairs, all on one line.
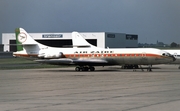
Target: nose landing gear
{"points": [[149, 69]]}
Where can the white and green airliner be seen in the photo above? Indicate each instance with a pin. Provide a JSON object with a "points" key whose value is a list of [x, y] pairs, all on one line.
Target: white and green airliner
{"points": [[84, 55]]}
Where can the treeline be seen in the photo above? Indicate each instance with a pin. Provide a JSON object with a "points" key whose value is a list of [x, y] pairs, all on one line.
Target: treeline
{"points": [[160, 44], [173, 44]]}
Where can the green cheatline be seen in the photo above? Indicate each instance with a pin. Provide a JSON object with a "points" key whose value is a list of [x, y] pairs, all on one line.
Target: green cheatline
{"points": [[19, 45]]}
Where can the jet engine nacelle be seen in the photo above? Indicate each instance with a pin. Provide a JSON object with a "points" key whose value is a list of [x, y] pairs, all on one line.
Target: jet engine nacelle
{"points": [[50, 55]]}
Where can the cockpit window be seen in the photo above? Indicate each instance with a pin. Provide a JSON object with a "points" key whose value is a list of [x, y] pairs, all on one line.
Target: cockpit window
{"points": [[168, 54]]}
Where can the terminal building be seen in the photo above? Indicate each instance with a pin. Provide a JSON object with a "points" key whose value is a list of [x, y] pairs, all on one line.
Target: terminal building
{"points": [[99, 39]]}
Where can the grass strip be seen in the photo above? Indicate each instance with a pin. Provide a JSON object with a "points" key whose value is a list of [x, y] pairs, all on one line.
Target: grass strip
{"points": [[21, 63]]}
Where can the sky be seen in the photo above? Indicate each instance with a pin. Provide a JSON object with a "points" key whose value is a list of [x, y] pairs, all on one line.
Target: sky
{"points": [[151, 20]]}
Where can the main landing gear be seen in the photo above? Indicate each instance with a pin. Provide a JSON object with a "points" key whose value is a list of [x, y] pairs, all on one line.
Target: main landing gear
{"points": [[130, 66], [84, 68]]}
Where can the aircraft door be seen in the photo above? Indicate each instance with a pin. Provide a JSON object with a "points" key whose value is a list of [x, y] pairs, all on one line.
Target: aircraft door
{"points": [[144, 58], [144, 55]]}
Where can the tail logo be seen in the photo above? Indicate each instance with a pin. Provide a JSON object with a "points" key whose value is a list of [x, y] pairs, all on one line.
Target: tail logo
{"points": [[22, 37]]}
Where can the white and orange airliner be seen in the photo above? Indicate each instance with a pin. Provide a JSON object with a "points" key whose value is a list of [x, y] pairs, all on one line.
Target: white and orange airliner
{"points": [[85, 55]]}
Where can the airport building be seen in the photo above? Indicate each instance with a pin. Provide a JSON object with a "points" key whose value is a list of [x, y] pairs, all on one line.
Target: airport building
{"points": [[99, 39]]}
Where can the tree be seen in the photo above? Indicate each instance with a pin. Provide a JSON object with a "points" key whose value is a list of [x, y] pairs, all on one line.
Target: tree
{"points": [[173, 44]]}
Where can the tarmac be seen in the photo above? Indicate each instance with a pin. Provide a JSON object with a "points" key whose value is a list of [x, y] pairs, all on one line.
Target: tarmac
{"points": [[106, 89]]}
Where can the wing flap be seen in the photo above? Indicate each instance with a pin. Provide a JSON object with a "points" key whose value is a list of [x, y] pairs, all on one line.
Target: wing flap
{"points": [[55, 61]]}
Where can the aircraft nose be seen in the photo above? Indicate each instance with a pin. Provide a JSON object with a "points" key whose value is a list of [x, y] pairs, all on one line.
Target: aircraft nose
{"points": [[171, 56]]}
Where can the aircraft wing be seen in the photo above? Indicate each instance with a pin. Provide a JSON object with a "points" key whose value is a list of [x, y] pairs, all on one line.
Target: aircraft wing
{"points": [[94, 62], [55, 61], [68, 61]]}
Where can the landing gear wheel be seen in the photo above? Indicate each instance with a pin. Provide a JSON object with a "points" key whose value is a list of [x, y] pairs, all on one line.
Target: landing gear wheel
{"points": [[77, 69], [85, 69], [149, 70], [92, 68], [136, 66]]}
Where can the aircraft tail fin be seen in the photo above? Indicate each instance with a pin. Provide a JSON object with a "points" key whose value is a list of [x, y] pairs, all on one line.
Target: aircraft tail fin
{"points": [[79, 41], [25, 42]]}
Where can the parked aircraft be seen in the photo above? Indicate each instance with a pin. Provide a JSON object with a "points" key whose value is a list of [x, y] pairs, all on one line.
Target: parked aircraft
{"points": [[176, 54], [86, 58]]}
